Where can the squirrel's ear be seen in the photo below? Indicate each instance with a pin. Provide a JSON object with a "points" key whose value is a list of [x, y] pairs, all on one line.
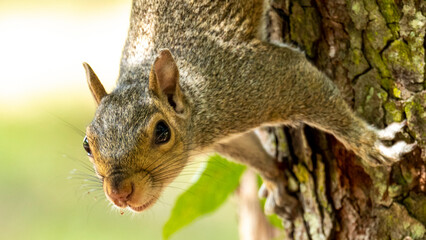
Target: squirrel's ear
{"points": [[164, 79], [98, 91]]}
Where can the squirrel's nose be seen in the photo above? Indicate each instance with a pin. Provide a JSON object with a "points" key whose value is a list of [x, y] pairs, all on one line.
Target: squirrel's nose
{"points": [[120, 193]]}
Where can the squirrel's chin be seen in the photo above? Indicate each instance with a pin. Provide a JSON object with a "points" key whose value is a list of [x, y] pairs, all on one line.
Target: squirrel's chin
{"points": [[145, 206]]}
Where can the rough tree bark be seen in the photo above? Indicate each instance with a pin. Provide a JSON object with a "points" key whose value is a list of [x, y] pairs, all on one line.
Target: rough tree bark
{"points": [[374, 51]]}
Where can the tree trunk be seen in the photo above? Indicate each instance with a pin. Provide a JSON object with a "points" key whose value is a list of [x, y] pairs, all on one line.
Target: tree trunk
{"points": [[374, 52]]}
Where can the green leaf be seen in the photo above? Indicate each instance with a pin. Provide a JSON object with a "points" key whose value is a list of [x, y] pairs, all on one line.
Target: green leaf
{"points": [[275, 221], [218, 180]]}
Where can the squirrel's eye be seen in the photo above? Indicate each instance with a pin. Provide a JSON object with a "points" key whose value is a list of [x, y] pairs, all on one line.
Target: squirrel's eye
{"points": [[86, 146], [161, 133]]}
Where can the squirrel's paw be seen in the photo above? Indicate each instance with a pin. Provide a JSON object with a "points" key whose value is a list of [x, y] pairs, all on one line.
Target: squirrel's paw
{"points": [[394, 153], [391, 130], [379, 154], [277, 199]]}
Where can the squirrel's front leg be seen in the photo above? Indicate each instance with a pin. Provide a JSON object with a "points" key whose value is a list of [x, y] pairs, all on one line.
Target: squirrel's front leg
{"points": [[356, 134], [308, 95], [247, 148]]}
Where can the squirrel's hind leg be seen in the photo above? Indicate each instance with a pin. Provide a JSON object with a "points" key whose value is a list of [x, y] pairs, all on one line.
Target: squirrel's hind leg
{"points": [[247, 148]]}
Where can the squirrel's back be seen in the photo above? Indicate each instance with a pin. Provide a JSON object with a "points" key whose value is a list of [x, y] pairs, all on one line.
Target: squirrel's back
{"points": [[182, 24], [219, 51]]}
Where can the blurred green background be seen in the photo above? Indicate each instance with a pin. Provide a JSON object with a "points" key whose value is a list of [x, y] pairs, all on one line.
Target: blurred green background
{"points": [[43, 97]]}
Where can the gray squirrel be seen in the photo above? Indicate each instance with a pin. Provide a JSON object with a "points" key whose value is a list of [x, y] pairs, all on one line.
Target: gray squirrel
{"points": [[198, 76]]}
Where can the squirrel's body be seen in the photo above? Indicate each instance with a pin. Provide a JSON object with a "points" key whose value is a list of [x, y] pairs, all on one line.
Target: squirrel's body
{"points": [[224, 80], [235, 63]]}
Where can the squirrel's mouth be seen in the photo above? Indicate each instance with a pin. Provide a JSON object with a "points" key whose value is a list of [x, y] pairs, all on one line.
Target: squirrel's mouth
{"points": [[143, 207]]}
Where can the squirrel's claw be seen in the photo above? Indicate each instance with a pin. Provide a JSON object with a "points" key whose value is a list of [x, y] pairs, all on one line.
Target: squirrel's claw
{"points": [[263, 192], [277, 200]]}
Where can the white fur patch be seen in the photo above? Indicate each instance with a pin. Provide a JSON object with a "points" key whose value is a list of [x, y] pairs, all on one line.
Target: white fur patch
{"points": [[390, 131], [397, 150]]}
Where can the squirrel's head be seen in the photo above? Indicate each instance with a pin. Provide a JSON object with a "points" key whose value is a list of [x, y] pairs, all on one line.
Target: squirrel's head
{"points": [[135, 140]]}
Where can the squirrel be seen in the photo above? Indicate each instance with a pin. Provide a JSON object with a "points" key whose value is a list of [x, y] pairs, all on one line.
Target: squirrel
{"points": [[199, 76]]}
